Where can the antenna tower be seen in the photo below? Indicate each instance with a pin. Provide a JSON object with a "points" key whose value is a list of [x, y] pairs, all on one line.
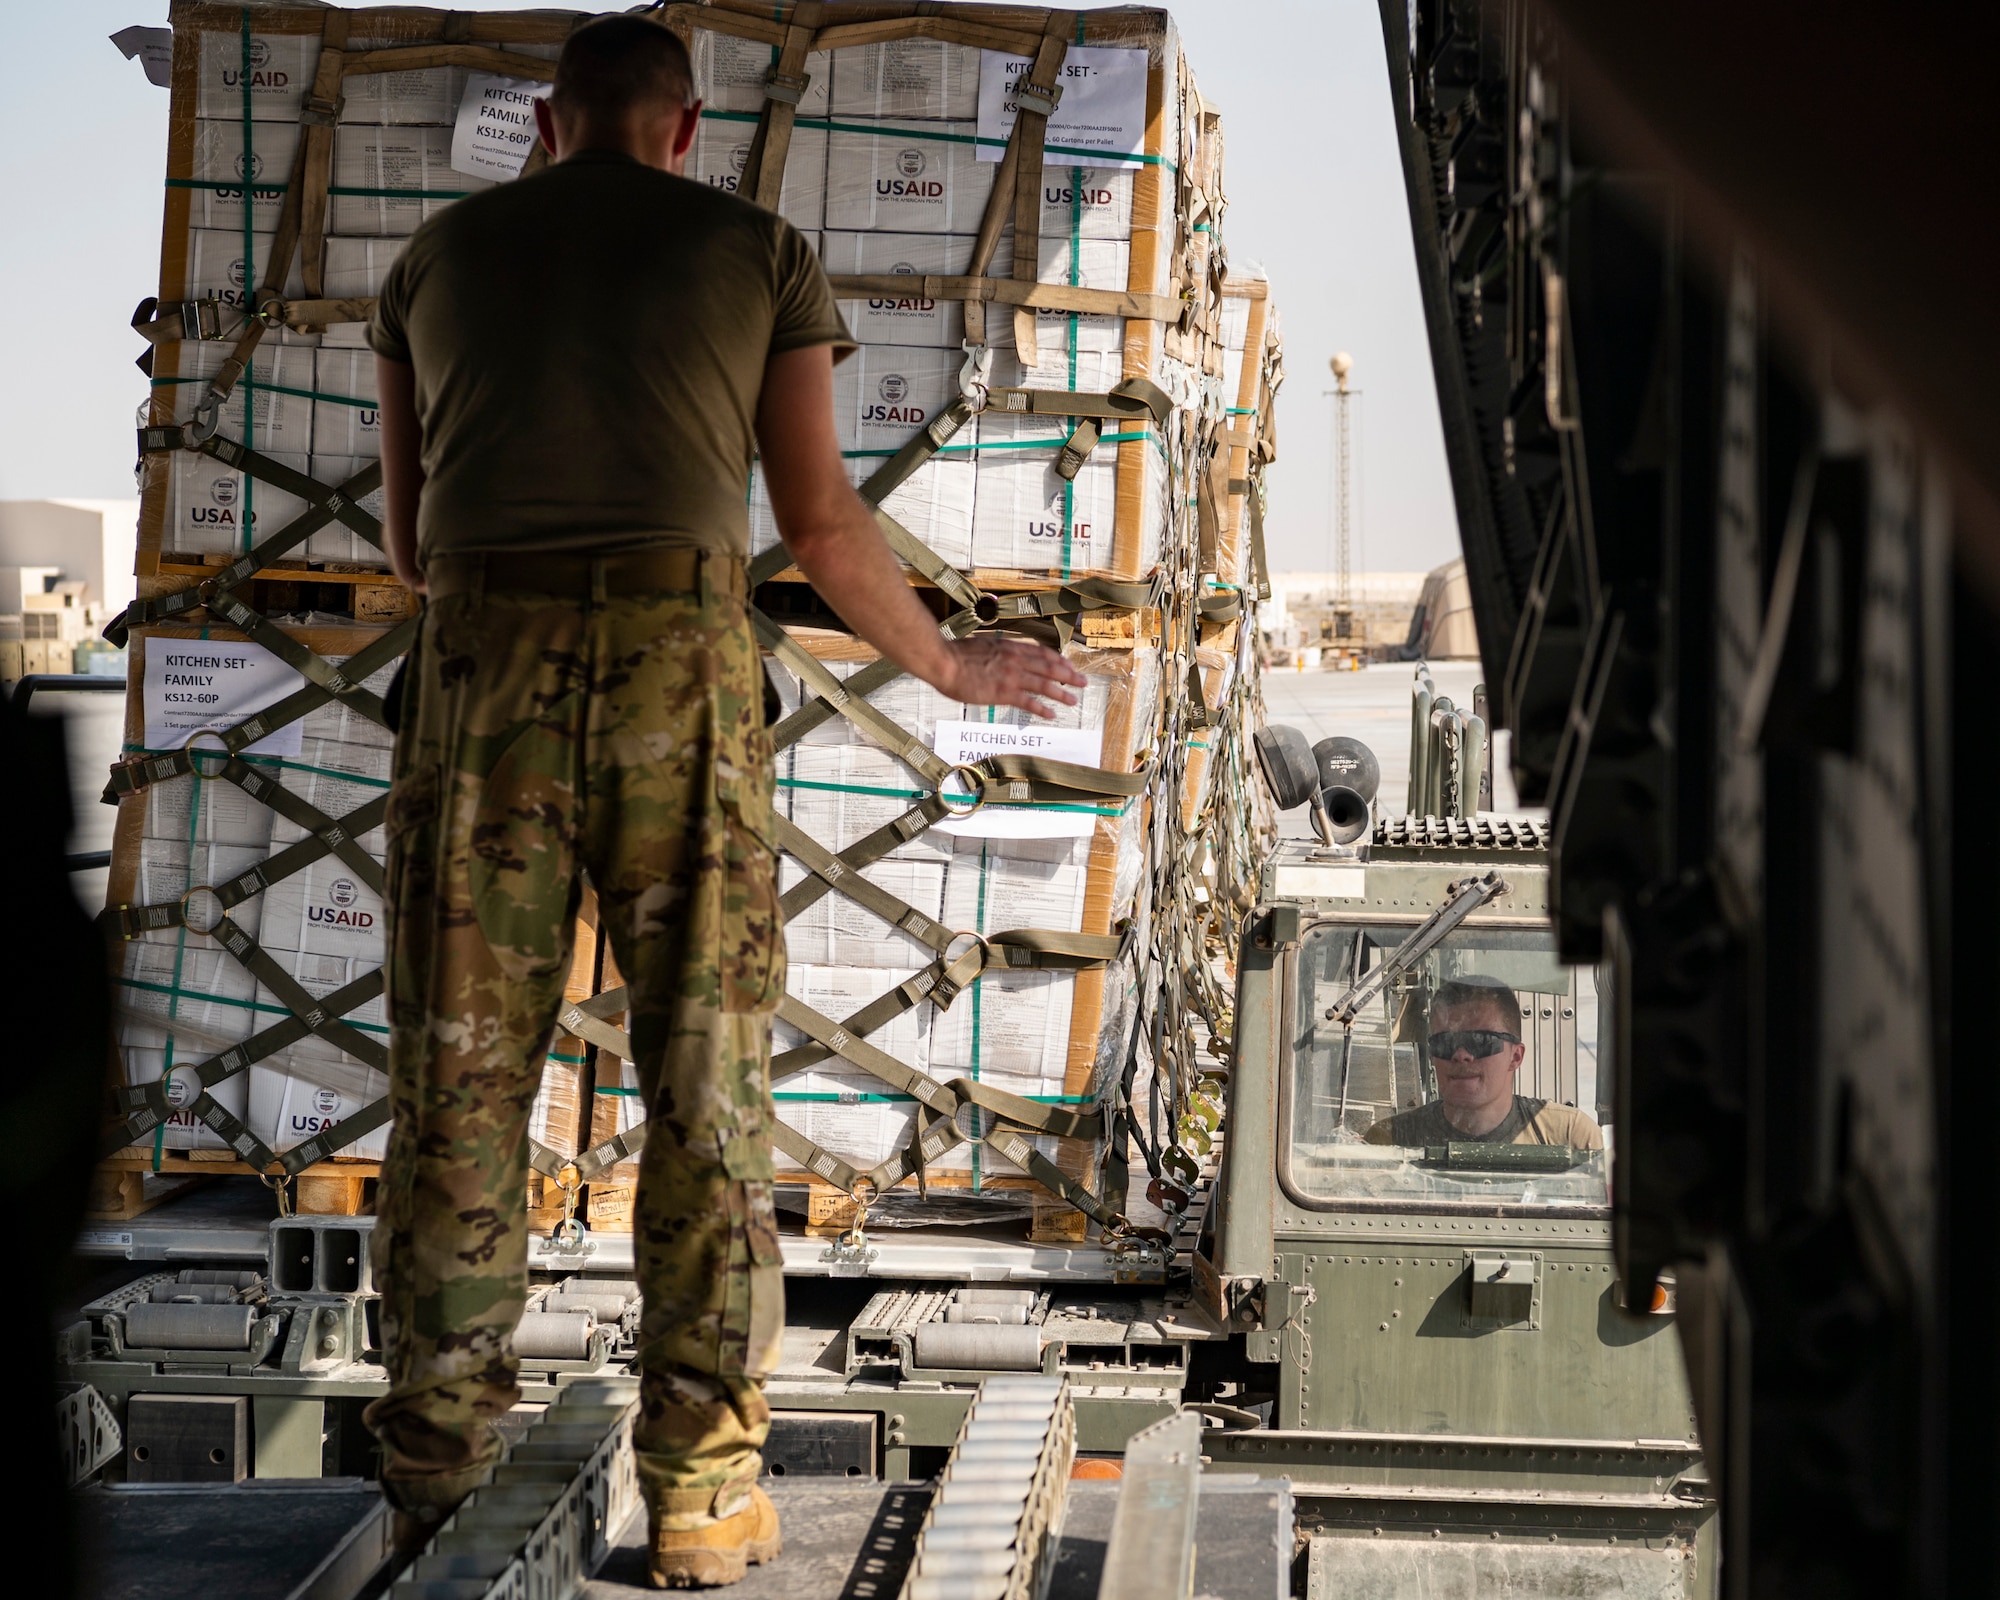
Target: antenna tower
{"points": [[1343, 477]]}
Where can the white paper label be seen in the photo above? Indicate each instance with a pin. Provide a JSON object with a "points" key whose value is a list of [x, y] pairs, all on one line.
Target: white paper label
{"points": [[201, 685], [1102, 110], [963, 743], [154, 50], [495, 131]]}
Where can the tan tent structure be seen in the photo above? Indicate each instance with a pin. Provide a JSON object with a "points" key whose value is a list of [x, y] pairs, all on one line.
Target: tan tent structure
{"points": [[1441, 629]]}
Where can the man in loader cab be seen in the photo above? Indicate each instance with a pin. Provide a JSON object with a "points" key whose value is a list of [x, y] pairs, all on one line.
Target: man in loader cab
{"points": [[1476, 1050], [575, 371]]}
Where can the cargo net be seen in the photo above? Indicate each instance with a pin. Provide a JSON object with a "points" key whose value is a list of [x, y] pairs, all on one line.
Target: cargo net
{"points": [[1175, 838]]}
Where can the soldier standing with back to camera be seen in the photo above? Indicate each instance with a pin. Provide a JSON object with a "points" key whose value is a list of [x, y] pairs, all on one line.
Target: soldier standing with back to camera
{"points": [[575, 369]]}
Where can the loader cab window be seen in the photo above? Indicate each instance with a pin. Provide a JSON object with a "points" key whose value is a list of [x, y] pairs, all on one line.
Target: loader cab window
{"points": [[1470, 1078]]}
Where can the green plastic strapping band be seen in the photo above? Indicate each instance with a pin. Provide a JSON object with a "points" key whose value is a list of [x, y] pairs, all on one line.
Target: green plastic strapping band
{"points": [[404, 194], [279, 388], [830, 1098], [178, 994], [257, 190], [276, 762], [1079, 155]]}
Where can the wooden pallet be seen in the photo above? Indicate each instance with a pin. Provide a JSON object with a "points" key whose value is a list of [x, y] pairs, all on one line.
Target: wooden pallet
{"points": [[335, 1188], [370, 595], [118, 1194]]}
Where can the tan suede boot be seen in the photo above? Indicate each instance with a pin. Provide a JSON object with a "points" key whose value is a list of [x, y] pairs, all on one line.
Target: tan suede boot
{"points": [[703, 1538]]}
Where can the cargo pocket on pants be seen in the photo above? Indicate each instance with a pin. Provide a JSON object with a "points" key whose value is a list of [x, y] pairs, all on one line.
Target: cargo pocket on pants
{"points": [[410, 828], [751, 939], [753, 1320]]}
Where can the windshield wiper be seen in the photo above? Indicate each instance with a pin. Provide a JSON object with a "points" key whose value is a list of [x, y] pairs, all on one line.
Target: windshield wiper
{"points": [[1462, 899]]}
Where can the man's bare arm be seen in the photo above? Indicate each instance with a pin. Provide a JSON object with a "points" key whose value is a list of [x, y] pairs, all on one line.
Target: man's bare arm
{"points": [[402, 466], [832, 535]]}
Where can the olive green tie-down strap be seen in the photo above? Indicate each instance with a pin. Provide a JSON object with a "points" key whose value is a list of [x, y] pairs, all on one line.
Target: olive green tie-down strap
{"points": [[785, 85], [1134, 400], [312, 1016], [1035, 99], [327, 836], [128, 777], [319, 112], [302, 217], [339, 837], [148, 1105], [977, 289], [323, 505]]}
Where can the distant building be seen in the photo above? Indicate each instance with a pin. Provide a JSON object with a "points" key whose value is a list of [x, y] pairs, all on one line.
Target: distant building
{"points": [[65, 570], [1396, 615], [1442, 628]]}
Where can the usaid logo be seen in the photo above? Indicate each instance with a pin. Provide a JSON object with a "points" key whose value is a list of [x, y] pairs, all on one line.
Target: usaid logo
{"points": [[250, 166], [903, 302], [177, 1091], [894, 389], [910, 163], [325, 1102], [739, 158], [261, 77], [223, 491], [342, 894]]}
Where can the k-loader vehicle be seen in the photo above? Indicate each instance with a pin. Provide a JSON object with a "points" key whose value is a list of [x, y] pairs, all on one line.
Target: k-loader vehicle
{"points": [[1357, 1369]]}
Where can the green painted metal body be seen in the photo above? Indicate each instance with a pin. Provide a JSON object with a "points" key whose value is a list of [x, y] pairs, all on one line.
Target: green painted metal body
{"points": [[1415, 1386]]}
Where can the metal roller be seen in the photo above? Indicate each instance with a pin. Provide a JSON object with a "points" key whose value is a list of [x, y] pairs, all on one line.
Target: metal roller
{"points": [[554, 1335], [1001, 1315], [991, 1528], [1037, 1414], [193, 1294], [184, 1327], [605, 1307], [994, 1430], [235, 1280], [627, 1287], [963, 1537], [978, 1346], [966, 1564], [979, 1511]]}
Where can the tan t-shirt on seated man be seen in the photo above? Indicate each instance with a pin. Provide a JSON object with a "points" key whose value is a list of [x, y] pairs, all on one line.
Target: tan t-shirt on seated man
{"points": [[539, 432], [1476, 1052], [1529, 1122]]}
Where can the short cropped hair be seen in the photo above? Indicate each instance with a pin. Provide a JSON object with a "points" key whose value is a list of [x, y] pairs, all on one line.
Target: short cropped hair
{"points": [[619, 64], [1489, 992]]}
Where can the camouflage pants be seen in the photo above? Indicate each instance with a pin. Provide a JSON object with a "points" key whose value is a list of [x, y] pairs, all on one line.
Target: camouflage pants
{"points": [[541, 739]]}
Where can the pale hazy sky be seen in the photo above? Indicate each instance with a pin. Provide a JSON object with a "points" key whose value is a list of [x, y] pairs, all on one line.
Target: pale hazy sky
{"points": [[1315, 194]]}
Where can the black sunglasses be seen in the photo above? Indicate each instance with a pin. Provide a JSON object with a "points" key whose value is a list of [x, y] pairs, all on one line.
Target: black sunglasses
{"points": [[1477, 1042]]}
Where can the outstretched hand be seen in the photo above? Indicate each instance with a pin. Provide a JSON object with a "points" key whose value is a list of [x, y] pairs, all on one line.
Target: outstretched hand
{"points": [[992, 669]]}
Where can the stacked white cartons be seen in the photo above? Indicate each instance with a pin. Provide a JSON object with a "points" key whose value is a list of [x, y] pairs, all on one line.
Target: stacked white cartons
{"points": [[210, 509], [906, 190], [905, 187], [325, 928], [182, 998], [1248, 337], [729, 77]]}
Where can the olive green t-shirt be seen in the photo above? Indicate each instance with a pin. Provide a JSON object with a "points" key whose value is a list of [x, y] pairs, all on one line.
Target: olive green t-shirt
{"points": [[1529, 1122], [589, 346]]}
